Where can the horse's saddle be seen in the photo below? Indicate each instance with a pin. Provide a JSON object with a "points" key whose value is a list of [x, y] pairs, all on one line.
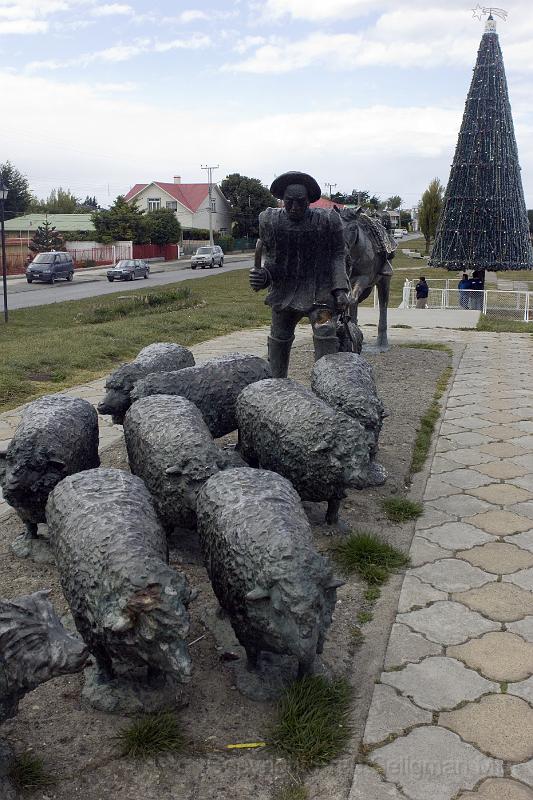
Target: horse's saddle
{"points": [[382, 241]]}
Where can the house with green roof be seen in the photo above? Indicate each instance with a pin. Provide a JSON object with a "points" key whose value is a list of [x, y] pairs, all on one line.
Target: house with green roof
{"points": [[24, 227]]}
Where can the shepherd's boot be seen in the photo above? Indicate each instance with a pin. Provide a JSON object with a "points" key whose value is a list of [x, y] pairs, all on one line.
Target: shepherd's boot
{"points": [[325, 346], [279, 351]]}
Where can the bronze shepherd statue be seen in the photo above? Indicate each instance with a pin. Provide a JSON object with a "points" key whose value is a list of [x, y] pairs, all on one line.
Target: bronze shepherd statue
{"points": [[318, 264]]}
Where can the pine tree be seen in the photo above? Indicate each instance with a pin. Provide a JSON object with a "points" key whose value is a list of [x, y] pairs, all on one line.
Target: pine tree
{"points": [[484, 221], [46, 238]]}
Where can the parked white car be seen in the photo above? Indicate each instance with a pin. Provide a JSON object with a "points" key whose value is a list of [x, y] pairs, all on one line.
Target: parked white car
{"points": [[398, 233], [208, 257]]}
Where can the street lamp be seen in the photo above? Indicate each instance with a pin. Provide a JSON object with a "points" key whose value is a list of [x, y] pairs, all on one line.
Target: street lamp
{"points": [[3, 197]]}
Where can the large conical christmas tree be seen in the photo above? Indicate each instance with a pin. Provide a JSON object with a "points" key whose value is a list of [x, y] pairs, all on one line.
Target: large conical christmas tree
{"points": [[484, 223]]}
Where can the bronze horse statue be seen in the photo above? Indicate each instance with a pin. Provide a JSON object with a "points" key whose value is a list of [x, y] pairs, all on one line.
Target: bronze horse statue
{"points": [[369, 250]]}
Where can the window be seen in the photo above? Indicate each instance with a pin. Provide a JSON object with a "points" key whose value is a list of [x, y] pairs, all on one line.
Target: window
{"points": [[154, 204], [213, 205], [172, 205]]}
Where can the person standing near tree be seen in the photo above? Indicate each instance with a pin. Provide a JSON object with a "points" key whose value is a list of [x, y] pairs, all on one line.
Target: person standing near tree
{"points": [[422, 292], [464, 285], [304, 268], [477, 284]]}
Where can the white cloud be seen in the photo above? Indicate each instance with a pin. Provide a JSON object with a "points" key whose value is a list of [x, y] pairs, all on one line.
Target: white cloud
{"points": [[22, 26], [192, 15], [111, 9], [315, 10], [429, 38], [120, 52], [248, 42]]}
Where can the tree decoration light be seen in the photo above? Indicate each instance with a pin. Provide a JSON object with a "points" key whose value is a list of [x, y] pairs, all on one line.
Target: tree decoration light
{"points": [[484, 222]]}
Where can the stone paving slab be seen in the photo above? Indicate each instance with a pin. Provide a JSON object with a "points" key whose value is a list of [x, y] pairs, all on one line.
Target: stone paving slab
{"points": [[415, 762], [438, 683], [485, 666], [499, 789], [499, 725]]}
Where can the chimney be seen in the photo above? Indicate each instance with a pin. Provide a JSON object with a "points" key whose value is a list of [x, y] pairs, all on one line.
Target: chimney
{"points": [[177, 178]]}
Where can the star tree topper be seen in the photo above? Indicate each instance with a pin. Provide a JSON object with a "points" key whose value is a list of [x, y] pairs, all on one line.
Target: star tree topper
{"points": [[480, 11]]}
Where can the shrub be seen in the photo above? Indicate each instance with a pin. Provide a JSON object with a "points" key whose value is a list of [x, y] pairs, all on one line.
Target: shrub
{"points": [[368, 556], [312, 727], [151, 735], [400, 509]]}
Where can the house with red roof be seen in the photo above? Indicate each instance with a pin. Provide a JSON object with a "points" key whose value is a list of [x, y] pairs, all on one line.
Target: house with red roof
{"points": [[325, 202], [189, 201]]}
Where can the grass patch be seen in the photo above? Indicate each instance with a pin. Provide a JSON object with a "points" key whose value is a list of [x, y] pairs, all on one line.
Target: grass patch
{"points": [[292, 791], [86, 339], [402, 326], [28, 772], [369, 557], [150, 735], [364, 616], [400, 509], [139, 305], [372, 594], [427, 346], [427, 424], [494, 325], [312, 727]]}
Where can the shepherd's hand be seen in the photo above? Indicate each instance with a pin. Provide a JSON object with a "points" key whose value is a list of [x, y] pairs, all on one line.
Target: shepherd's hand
{"points": [[258, 279], [341, 300]]}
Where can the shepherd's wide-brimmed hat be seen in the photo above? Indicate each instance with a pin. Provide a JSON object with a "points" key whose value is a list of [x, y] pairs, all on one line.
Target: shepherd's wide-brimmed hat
{"points": [[288, 178]]}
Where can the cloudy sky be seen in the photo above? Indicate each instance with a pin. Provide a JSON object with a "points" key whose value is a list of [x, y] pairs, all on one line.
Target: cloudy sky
{"points": [[100, 95]]}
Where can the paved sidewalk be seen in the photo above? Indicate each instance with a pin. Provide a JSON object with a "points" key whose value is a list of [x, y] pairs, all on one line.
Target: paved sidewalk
{"points": [[452, 716]]}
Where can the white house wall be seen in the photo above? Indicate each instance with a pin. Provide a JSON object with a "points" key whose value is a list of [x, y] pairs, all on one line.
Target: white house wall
{"points": [[186, 218]]}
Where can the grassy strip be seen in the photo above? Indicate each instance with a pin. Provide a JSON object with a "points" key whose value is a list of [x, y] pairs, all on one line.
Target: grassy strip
{"points": [[427, 424], [312, 726], [151, 735], [49, 348], [28, 772], [400, 509], [369, 557], [493, 325], [428, 346]]}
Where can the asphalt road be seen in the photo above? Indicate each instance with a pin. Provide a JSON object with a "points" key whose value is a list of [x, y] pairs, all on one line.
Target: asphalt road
{"points": [[93, 284], [24, 295]]}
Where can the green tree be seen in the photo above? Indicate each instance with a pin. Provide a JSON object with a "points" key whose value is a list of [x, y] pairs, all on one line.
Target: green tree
{"points": [[62, 201], [247, 197], [430, 209], [393, 202], [122, 222], [358, 197], [405, 219], [530, 218], [46, 238], [90, 204], [19, 197], [163, 227], [375, 203]]}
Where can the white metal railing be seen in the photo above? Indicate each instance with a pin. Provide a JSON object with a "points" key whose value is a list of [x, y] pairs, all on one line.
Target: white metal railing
{"points": [[508, 304]]}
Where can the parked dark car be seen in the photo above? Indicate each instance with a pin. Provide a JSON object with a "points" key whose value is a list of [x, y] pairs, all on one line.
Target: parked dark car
{"points": [[208, 257], [50, 267], [128, 269]]}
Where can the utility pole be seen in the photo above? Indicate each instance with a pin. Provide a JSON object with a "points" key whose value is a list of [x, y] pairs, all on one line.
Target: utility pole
{"points": [[3, 195], [331, 186], [210, 191]]}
